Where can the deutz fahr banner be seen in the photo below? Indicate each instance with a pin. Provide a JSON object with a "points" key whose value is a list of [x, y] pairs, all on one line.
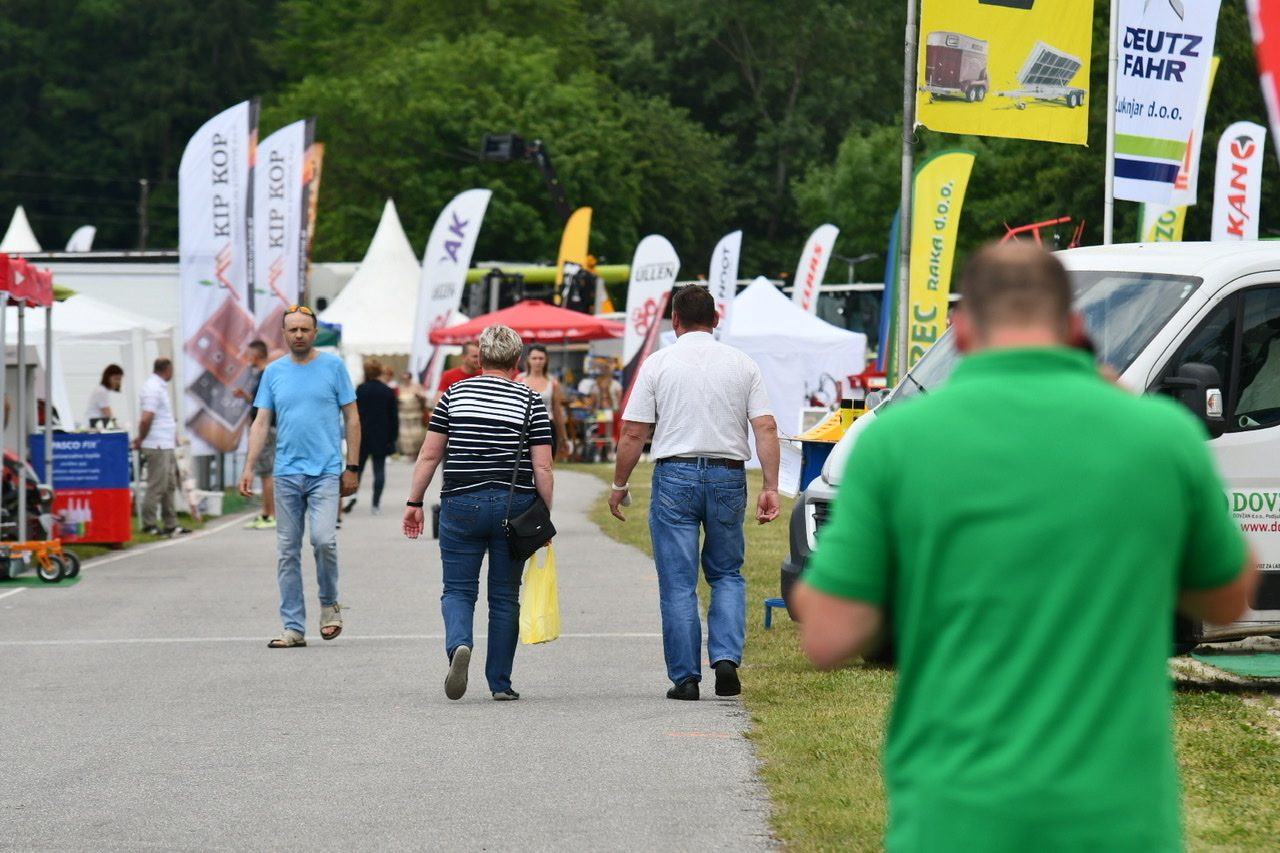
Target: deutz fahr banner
{"points": [[1017, 68]]}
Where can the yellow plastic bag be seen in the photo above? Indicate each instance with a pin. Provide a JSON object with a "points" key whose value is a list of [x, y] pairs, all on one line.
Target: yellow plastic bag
{"points": [[540, 601]]}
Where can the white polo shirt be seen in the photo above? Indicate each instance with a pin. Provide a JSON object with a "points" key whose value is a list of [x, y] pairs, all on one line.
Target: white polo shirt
{"points": [[702, 395], [163, 432]]}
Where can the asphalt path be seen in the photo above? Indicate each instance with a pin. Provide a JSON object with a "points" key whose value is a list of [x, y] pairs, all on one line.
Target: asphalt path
{"points": [[142, 709]]}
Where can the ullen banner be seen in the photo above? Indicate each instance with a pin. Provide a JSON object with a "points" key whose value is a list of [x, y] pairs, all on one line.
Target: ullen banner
{"points": [[444, 272], [215, 218], [1237, 188], [807, 284], [1016, 68], [1165, 50], [653, 273]]}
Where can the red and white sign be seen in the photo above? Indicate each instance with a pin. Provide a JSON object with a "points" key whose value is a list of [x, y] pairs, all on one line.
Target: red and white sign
{"points": [[1237, 186], [813, 267], [1264, 21]]}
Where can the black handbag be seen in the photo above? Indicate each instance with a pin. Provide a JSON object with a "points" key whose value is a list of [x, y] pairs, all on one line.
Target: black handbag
{"points": [[531, 529]]}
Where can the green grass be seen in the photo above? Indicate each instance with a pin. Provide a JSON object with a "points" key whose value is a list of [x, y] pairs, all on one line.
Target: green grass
{"points": [[819, 734]]}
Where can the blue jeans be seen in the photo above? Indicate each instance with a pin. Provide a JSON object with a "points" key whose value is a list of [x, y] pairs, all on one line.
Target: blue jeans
{"points": [[689, 498], [300, 496], [470, 525]]}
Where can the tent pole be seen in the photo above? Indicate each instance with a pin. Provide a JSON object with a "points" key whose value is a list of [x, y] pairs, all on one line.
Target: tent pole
{"points": [[48, 395], [908, 175], [20, 535]]}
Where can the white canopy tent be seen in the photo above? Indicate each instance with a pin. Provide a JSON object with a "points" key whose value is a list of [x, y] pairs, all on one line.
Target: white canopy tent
{"points": [[800, 356], [89, 334], [19, 237], [377, 307]]}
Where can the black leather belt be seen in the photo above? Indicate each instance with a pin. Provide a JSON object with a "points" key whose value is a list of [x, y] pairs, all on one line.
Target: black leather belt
{"points": [[710, 461]]}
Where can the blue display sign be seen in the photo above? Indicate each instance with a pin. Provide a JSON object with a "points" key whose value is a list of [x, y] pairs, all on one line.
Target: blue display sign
{"points": [[84, 460]]}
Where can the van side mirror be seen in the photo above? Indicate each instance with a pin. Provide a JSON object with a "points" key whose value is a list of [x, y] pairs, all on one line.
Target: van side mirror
{"points": [[1199, 387], [876, 397]]}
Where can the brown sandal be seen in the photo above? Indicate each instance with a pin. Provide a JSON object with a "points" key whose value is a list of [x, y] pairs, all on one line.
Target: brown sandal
{"points": [[330, 621]]}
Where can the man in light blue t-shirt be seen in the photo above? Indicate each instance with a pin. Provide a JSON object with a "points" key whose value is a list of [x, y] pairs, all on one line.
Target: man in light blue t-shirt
{"points": [[313, 399]]}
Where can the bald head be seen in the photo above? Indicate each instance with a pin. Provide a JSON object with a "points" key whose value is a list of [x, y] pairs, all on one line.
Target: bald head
{"points": [[1015, 291]]}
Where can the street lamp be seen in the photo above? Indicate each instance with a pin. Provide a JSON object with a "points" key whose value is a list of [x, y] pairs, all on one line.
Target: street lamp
{"points": [[852, 262]]}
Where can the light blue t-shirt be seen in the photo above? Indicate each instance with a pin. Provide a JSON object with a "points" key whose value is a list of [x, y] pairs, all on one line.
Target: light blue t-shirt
{"points": [[307, 399]]}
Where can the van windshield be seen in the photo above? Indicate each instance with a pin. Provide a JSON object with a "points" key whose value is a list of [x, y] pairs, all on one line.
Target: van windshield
{"points": [[1122, 310]]}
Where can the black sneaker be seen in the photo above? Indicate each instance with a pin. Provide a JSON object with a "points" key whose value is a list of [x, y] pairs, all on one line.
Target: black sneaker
{"points": [[727, 683], [153, 530], [177, 531], [506, 696]]}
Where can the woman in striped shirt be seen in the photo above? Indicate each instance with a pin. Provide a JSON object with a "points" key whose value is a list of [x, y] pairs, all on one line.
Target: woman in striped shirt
{"points": [[475, 430]]}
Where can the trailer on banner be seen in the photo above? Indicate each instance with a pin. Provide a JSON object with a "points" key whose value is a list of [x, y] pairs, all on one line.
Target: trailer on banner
{"points": [[1046, 76], [955, 65]]}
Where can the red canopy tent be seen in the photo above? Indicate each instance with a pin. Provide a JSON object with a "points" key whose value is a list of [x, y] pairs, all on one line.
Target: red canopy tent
{"points": [[534, 322]]}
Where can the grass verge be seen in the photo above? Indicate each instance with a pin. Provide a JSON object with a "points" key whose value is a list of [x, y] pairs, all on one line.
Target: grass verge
{"points": [[819, 734]]}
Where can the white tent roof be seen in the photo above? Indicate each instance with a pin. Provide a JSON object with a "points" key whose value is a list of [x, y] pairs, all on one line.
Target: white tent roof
{"points": [[19, 237], [377, 307], [800, 356]]}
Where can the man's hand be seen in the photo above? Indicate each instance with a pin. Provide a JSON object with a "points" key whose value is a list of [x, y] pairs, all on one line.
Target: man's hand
{"points": [[413, 521], [616, 498], [246, 483], [348, 484], [767, 506]]}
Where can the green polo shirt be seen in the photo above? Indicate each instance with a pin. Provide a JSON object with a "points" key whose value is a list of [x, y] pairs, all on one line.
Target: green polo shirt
{"points": [[1028, 526]]}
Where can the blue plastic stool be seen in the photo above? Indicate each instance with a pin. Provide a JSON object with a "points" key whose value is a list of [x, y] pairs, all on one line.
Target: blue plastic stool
{"points": [[769, 604]]}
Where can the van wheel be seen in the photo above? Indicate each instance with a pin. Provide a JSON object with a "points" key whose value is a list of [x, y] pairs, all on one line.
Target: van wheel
{"points": [[982, 93]]}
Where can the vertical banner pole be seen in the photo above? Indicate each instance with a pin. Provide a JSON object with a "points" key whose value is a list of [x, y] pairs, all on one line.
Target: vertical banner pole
{"points": [[1113, 62], [908, 177]]}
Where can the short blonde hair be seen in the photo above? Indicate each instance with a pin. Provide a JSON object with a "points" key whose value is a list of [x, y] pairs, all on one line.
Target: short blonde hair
{"points": [[500, 347]]}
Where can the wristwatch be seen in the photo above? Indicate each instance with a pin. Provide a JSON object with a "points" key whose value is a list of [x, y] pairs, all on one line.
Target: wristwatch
{"points": [[354, 469]]}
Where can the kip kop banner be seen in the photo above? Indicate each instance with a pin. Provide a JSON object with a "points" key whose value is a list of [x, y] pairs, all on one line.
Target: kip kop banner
{"points": [[216, 267], [812, 268], [444, 272], [940, 184], [1237, 184], [1264, 22], [1017, 68], [281, 233], [653, 273], [1160, 223], [1165, 50], [723, 278]]}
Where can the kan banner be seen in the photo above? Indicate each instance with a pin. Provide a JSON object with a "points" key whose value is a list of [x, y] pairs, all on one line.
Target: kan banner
{"points": [[216, 269], [1165, 51], [812, 269], [1237, 185], [653, 273], [1014, 68], [281, 235], [723, 279], [1264, 22], [444, 273]]}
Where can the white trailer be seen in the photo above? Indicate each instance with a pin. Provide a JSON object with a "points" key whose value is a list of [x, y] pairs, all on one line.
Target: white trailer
{"points": [[1046, 76]]}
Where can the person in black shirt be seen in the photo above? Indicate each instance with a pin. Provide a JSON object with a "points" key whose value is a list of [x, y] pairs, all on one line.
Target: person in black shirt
{"points": [[379, 427]]}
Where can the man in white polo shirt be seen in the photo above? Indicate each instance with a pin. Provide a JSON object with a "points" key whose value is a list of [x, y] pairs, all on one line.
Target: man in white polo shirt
{"points": [[702, 395], [157, 437]]}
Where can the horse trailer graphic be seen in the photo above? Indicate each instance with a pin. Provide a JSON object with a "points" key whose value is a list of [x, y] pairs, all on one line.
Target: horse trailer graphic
{"points": [[1045, 77], [955, 65]]}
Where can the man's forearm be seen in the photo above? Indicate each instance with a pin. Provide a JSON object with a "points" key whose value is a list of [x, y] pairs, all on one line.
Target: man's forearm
{"points": [[767, 450], [630, 446]]}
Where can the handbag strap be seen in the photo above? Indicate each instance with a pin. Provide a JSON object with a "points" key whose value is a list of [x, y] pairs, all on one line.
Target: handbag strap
{"points": [[524, 433]]}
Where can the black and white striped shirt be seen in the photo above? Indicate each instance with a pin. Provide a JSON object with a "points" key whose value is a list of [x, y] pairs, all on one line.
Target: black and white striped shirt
{"points": [[482, 417]]}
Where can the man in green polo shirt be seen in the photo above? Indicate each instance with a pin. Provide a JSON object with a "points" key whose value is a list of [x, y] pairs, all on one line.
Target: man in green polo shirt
{"points": [[1029, 529]]}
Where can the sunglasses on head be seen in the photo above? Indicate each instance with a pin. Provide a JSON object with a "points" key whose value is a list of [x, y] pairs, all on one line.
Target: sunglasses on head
{"points": [[294, 309]]}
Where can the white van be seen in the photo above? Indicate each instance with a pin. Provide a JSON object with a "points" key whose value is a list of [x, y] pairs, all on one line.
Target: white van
{"points": [[1197, 321]]}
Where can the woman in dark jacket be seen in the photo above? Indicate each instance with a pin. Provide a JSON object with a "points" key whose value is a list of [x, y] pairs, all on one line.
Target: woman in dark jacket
{"points": [[379, 428]]}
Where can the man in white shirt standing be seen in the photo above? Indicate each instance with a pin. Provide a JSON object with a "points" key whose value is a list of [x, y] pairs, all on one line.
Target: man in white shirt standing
{"points": [[157, 438], [702, 395]]}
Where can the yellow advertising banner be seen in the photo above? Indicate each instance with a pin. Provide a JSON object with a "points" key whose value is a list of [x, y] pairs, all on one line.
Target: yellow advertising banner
{"points": [[940, 185], [1161, 224], [1017, 68], [574, 240]]}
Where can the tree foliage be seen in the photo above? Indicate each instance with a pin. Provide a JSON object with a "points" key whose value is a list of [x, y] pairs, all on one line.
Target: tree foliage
{"points": [[688, 118]]}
